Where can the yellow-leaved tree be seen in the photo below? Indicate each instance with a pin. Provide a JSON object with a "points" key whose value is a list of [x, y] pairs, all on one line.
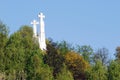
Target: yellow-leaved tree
{"points": [[77, 65]]}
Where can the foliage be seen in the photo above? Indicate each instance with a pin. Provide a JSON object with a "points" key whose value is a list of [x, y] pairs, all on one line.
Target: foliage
{"points": [[65, 74], [35, 68], [3, 40], [114, 70], [64, 47], [97, 72], [26, 31], [85, 51], [15, 57], [76, 64], [3, 28], [117, 53], [53, 58], [21, 59], [101, 55]]}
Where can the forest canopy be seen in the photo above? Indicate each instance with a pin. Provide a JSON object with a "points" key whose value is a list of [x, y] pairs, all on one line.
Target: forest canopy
{"points": [[21, 59]]}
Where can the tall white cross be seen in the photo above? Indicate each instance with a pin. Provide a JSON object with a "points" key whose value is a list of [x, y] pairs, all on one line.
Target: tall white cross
{"points": [[42, 40], [34, 22], [41, 16]]}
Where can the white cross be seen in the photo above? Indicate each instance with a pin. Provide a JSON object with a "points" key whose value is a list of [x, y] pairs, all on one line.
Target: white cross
{"points": [[41, 16], [34, 22]]}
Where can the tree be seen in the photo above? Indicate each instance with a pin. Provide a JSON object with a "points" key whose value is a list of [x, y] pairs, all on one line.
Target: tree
{"points": [[102, 55], [3, 30], [18, 51], [64, 47], [53, 58], [117, 53], [3, 40], [26, 31], [85, 51], [15, 57], [45, 73], [65, 74], [114, 70], [36, 69], [77, 65], [97, 72]]}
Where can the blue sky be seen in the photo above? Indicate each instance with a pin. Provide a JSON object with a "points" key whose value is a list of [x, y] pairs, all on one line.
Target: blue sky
{"points": [[82, 22]]}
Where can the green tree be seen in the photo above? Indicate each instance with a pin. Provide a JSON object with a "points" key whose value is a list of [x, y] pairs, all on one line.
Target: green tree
{"points": [[64, 47], [97, 72], [3, 36], [65, 74], [19, 49], [85, 51], [3, 39], [53, 58], [36, 69], [34, 66], [114, 70], [15, 57], [45, 73], [26, 31]]}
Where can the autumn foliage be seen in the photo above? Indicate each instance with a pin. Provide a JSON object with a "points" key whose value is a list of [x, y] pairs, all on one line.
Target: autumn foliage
{"points": [[21, 59], [76, 64]]}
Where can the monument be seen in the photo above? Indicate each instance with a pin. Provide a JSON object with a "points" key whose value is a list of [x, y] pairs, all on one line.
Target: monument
{"points": [[34, 28], [41, 34]]}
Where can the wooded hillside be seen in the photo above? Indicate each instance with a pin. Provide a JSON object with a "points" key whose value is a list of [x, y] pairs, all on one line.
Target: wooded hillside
{"points": [[21, 59]]}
